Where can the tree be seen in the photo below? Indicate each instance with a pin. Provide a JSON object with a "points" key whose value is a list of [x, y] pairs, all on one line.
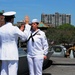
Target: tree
{"points": [[62, 34]]}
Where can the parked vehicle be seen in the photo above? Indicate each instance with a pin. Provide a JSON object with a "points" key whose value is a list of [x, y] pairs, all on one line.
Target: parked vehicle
{"points": [[58, 51], [23, 64]]}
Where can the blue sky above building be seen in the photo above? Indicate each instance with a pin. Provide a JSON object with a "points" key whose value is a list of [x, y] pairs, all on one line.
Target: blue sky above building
{"points": [[34, 8]]}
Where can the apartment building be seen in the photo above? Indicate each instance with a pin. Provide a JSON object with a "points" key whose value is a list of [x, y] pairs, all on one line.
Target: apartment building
{"points": [[56, 19]]}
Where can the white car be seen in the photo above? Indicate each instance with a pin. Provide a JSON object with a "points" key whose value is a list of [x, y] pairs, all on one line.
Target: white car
{"points": [[58, 51]]}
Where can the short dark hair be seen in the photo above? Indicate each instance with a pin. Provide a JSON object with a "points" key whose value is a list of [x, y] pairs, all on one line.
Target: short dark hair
{"points": [[74, 44], [8, 18], [37, 23]]}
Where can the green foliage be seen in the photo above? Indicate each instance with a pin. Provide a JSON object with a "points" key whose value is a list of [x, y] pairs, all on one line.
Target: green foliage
{"points": [[62, 34], [66, 27]]}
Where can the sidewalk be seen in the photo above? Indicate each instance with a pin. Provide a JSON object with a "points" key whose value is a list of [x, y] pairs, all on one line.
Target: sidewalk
{"points": [[60, 70], [61, 66], [62, 61]]}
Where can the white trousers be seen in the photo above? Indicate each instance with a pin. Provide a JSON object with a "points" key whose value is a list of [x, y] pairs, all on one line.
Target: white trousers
{"points": [[35, 65], [9, 67]]}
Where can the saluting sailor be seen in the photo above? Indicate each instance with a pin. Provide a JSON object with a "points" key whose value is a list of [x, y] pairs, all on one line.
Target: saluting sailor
{"points": [[8, 44], [37, 48]]}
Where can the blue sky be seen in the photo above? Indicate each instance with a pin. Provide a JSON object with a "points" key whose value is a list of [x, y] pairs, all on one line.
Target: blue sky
{"points": [[34, 8]]}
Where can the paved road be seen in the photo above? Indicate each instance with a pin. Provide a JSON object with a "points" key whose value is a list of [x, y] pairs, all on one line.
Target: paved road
{"points": [[60, 70], [63, 61], [61, 66]]}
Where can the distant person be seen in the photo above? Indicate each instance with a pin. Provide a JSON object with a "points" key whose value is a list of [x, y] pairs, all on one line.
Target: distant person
{"points": [[69, 50], [26, 23], [26, 20], [37, 48], [8, 44]]}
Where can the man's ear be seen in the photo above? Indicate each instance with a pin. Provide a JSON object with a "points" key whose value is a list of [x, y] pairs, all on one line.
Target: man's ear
{"points": [[12, 20]]}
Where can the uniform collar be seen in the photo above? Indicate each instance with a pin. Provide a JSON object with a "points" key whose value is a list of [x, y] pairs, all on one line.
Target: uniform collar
{"points": [[33, 32], [8, 23]]}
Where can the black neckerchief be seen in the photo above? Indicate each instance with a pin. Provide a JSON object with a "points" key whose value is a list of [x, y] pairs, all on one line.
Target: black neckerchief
{"points": [[31, 36]]}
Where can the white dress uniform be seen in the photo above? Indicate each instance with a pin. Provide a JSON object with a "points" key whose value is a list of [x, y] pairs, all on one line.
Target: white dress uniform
{"points": [[8, 48], [35, 52]]}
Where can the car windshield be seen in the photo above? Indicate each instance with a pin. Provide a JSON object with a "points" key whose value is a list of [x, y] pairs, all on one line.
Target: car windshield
{"points": [[21, 52], [56, 49]]}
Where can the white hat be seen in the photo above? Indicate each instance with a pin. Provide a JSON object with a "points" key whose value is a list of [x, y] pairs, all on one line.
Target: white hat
{"points": [[35, 20], [10, 13]]}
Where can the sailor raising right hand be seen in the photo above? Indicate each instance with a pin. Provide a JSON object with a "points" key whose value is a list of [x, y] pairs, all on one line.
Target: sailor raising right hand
{"points": [[37, 48]]}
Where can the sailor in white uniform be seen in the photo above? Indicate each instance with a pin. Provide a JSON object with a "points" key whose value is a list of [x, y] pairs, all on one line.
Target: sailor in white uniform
{"points": [[37, 48], [8, 44]]}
